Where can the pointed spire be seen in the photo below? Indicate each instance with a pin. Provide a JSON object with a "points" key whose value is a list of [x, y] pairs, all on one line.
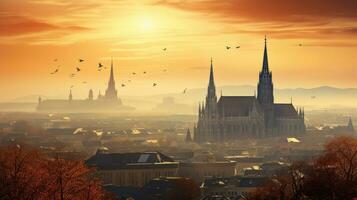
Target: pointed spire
{"points": [[70, 97], [350, 124], [111, 79], [199, 110], [188, 136], [211, 77], [265, 57], [90, 95]]}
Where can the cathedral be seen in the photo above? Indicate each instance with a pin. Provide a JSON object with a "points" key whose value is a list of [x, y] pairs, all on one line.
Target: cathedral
{"points": [[236, 117], [109, 102]]}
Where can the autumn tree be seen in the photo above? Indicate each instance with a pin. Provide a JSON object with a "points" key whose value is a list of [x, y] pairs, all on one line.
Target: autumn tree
{"points": [[26, 174], [332, 176]]}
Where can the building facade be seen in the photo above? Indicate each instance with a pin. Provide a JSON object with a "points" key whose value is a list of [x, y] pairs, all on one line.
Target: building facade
{"points": [[236, 117], [132, 169]]}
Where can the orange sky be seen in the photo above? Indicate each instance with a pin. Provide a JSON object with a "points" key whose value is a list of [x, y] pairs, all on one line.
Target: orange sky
{"points": [[35, 32]]}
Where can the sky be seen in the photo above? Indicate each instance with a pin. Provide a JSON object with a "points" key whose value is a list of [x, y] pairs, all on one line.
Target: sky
{"points": [[39, 36]]}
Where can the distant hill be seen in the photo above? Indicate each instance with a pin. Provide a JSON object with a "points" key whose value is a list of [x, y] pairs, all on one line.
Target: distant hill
{"points": [[311, 98]]}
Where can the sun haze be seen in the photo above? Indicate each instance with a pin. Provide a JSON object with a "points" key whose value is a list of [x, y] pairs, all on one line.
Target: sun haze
{"points": [[311, 43]]}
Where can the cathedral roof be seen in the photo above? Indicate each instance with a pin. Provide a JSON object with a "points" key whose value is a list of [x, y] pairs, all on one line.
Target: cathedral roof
{"points": [[235, 106], [285, 111]]}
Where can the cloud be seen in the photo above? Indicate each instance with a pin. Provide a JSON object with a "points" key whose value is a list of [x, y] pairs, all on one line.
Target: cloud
{"points": [[272, 10], [285, 18], [19, 26]]}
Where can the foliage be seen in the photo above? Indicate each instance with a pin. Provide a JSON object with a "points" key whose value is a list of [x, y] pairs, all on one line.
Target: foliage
{"points": [[25, 173], [333, 176]]}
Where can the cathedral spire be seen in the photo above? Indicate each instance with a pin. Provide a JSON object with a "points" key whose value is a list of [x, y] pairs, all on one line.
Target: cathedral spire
{"points": [[265, 85], [111, 92], [211, 77], [265, 68], [111, 79]]}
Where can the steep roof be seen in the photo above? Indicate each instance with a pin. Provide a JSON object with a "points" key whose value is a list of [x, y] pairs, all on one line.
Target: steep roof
{"points": [[285, 111], [234, 106], [129, 160]]}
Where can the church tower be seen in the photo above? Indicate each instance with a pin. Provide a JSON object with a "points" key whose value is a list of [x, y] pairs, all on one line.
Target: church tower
{"points": [[265, 85], [111, 92], [350, 125], [90, 95], [211, 98], [70, 96]]}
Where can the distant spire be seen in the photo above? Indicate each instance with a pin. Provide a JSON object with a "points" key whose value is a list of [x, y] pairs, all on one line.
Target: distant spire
{"points": [[70, 97], [111, 79], [211, 77], [199, 110], [188, 136], [350, 124], [90, 95], [265, 58], [111, 92]]}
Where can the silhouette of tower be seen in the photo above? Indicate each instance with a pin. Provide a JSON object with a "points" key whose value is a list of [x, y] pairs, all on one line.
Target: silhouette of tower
{"points": [[211, 98], [188, 136], [265, 85], [350, 125], [70, 97], [111, 92], [90, 95]]}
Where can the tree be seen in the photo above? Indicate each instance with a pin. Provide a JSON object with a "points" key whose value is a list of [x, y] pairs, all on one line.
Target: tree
{"points": [[21, 173], [332, 176], [26, 174]]}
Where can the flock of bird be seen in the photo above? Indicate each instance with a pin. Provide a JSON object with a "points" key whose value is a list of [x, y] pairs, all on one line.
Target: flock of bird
{"points": [[101, 67]]}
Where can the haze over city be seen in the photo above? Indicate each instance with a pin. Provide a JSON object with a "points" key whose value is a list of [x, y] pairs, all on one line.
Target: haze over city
{"points": [[178, 100]]}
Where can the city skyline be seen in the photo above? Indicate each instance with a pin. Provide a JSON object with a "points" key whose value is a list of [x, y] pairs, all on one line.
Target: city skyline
{"points": [[316, 47]]}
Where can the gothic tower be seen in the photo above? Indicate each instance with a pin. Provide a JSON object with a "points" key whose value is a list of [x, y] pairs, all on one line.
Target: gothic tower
{"points": [[111, 92], [265, 85], [265, 93], [211, 98]]}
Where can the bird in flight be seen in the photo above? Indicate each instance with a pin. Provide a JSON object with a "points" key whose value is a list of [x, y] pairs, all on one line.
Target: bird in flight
{"points": [[300, 45], [78, 69], [55, 71], [144, 72], [55, 60], [164, 49], [80, 60], [100, 65], [228, 47], [133, 73], [123, 85], [154, 84], [184, 91], [237, 47]]}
